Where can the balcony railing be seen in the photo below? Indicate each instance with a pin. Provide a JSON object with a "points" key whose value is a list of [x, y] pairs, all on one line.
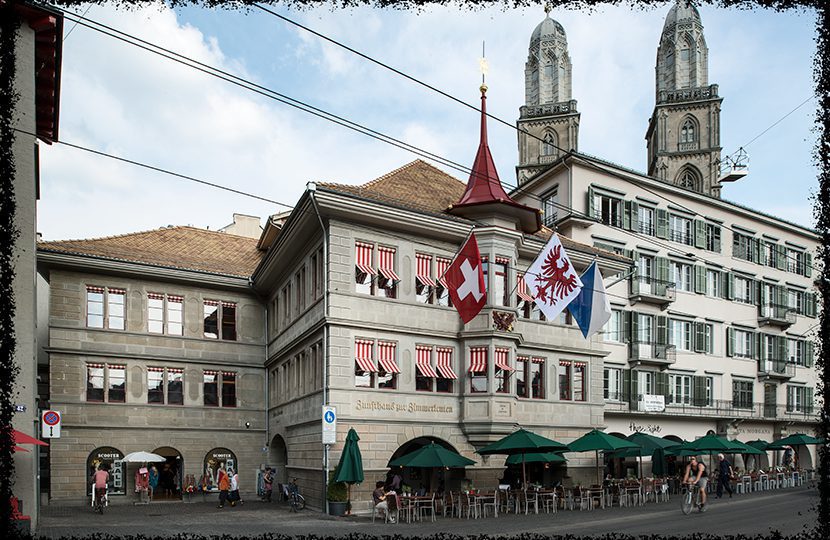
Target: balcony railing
{"points": [[776, 368], [687, 94], [682, 237], [657, 354], [650, 290], [715, 409], [776, 315], [645, 227]]}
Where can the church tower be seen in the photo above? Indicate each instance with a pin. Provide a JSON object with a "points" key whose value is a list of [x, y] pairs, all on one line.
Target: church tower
{"points": [[548, 122], [683, 137]]}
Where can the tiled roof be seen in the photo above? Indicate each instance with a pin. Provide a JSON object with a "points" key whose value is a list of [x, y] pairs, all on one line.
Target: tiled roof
{"points": [[420, 186], [187, 248]]}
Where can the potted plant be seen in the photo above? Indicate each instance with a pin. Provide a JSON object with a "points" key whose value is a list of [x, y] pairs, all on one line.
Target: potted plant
{"points": [[337, 496]]}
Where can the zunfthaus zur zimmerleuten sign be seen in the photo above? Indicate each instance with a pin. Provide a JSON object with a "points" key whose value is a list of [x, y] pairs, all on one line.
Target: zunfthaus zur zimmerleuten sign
{"points": [[393, 406]]}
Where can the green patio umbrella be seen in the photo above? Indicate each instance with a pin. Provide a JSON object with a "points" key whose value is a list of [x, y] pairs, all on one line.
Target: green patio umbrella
{"points": [[747, 449], [711, 443], [795, 439], [350, 468], [597, 440], [522, 442], [678, 451], [536, 457], [432, 455], [759, 444], [658, 462]]}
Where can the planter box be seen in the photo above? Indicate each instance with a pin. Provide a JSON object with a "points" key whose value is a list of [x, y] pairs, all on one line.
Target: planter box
{"points": [[337, 508]]}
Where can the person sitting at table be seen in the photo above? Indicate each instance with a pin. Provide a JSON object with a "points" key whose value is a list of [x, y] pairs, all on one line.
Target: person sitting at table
{"points": [[422, 491], [379, 498]]}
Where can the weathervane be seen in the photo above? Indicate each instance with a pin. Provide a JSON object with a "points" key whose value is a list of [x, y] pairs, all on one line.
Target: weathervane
{"points": [[484, 67], [547, 9]]}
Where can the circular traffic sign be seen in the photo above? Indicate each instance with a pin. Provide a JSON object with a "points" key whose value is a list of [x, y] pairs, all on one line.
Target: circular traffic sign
{"points": [[51, 418], [329, 416]]}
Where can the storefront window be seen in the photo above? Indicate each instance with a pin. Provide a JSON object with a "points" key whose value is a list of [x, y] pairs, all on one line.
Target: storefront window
{"points": [[108, 457], [218, 458]]}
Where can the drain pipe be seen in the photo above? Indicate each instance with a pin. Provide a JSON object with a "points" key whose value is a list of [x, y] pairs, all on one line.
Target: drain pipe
{"points": [[312, 189]]}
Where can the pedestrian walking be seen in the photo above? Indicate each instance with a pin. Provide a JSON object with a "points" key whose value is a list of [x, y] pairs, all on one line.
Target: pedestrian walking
{"points": [[224, 484], [725, 475], [267, 484], [234, 494], [153, 480]]}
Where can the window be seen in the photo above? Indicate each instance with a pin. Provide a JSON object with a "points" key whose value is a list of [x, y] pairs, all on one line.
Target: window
{"points": [[228, 389], [364, 271], [524, 302], [388, 279], [446, 375], [501, 293], [799, 399], [503, 370], [613, 331], [537, 378], [424, 284], [796, 352], [710, 391], [579, 381], [744, 290], [743, 343], [645, 382], [300, 280], [317, 279], [550, 207], [742, 394], [768, 297], [713, 283], [572, 380], [769, 252], [713, 237], [645, 220], [387, 365], [796, 261], [106, 383], [155, 385], [220, 320], [645, 328], [219, 388], [478, 369], [744, 247], [680, 229], [175, 386], [522, 368], [608, 210], [680, 389], [612, 388], [680, 334], [565, 372], [165, 380], [707, 335], [364, 369], [548, 144], [681, 274], [105, 307], [210, 388], [164, 314], [687, 131], [442, 291], [645, 267], [795, 301]]}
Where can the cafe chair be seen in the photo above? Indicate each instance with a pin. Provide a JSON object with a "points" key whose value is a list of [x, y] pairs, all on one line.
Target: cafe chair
{"points": [[529, 499], [549, 502], [449, 504], [565, 497], [491, 503], [583, 498], [425, 506]]}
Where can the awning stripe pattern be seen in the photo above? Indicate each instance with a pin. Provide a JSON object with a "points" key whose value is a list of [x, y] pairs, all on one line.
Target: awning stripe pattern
{"points": [[441, 265], [444, 363], [538, 360], [363, 355], [155, 296], [113, 290], [423, 357], [364, 258], [175, 299], [387, 263], [386, 357], [478, 359], [521, 288], [94, 289], [422, 270], [503, 260], [502, 359]]}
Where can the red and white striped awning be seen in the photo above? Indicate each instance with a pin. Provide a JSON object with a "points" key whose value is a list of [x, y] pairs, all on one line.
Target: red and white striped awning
{"points": [[363, 355], [364, 258], [211, 302], [94, 289], [422, 269], [155, 296], [502, 359], [441, 266], [387, 263], [502, 260], [175, 298], [478, 359], [113, 290], [521, 288], [155, 369], [538, 360], [444, 363], [423, 357], [386, 357]]}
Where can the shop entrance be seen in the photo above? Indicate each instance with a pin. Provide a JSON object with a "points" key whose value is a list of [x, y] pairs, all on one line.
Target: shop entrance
{"points": [[278, 458], [170, 474]]}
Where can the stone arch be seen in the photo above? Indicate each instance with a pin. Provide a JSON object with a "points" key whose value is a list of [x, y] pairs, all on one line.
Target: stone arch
{"points": [[429, 479], [278, 457], [171, 473], [689, 177]]}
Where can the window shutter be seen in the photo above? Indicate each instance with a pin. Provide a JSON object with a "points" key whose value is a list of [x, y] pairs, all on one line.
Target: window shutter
{"points": [[781, 257], [626, 385], [661, 384], [753, 291], [700, 337], [808, 264], [717, 238], [755, 245], [699, 391], [781, 342], [810, 399], [662, 223], [635, 325], [760, 346], [626, 324], [782, 299], [626, 217], [635, 216], [809, 304], [700, 279], [762, 294], [662, 329], [700, 234], [662, 264], [592, 211], [729, 285], [809, 353], [634, 395]]}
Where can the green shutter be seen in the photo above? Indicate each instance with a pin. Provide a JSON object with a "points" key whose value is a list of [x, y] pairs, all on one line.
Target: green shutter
{"points": [[591, 207], [730, 341], [699, 391], [662, 329], [729, 285], [700, 337], [662, 223], [808, 264], [809, 353], [753, 291], [662, 264], [635, 216], [760, 346], [700, 234], [700, 279], [626, 385], [809, 303], [810, 396], [661, 384], [781, 257], [762, 294], [717, 238], [626, 337], [635, 325], [782, 299], [756, 248], [634, 395], [626, 217], [781, 343]]}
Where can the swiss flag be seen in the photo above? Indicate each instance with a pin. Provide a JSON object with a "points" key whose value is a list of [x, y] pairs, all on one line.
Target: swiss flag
{"points": [[466, 281]]}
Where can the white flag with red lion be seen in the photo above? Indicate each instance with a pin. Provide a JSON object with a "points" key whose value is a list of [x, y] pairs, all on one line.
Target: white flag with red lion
{"points": [[552, 280]]}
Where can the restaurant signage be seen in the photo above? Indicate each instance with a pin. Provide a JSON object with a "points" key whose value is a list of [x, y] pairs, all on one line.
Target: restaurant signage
{"points": [[652, 403], [401, 407]]}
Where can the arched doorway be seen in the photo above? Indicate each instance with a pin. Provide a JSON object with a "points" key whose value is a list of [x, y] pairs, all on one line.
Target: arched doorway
{"points": [[436, 479], [278, 459], [171, 474], [109, 458]]}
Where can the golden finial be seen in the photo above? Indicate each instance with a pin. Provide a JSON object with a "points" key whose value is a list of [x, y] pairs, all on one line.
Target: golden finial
{"points": [[547, 9]]}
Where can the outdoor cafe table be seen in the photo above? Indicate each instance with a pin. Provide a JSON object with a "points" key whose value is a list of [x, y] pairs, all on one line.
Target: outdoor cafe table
{"points": [[411, 504], [479, 499]]}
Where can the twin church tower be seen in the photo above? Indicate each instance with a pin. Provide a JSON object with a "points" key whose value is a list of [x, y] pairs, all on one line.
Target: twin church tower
{"points": [[683, 135]]}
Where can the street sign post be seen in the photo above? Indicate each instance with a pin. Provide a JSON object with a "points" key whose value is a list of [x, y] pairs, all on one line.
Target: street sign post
{"points": [[329, 425], [50, 424]]}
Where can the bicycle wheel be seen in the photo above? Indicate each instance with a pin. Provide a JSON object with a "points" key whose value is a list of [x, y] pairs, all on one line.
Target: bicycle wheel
{"points": [[686, 502], [300, 502]]}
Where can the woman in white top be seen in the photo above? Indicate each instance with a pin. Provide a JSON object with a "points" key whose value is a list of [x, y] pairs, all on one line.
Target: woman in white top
{"points": [[234, 494]]}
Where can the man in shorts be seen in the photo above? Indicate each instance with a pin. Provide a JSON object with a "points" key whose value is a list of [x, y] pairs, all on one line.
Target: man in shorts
{"points": [[696, 474]]}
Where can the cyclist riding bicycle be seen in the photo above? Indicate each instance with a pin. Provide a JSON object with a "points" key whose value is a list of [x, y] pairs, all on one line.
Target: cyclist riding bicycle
{"points": [[100, 479], [697, 470]]}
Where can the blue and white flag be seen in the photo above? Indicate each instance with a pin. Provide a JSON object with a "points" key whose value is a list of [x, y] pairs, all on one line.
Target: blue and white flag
{"points": [[591, 309]]}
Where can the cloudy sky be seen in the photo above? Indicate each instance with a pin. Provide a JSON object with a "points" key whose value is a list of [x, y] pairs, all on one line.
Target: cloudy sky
{"points": [[122, 100]]}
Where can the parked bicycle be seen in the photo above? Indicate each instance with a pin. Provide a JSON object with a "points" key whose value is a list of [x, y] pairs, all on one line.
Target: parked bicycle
{"points": [[295, 499], [99, 500], [690, 497]]}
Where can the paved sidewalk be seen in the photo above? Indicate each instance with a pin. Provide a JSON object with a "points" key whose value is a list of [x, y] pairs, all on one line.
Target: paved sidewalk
{"points": [[788, 511]]}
